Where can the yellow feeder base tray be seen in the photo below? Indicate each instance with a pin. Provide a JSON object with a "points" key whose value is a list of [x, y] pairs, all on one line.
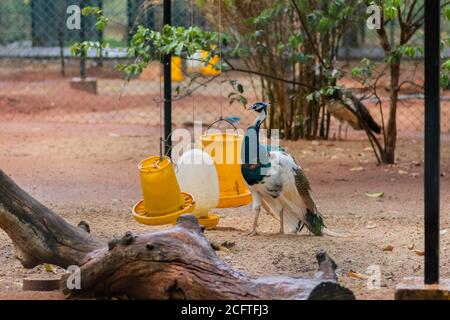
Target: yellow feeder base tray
{"points": [[141, 216], [209, 222], [235, 201]]}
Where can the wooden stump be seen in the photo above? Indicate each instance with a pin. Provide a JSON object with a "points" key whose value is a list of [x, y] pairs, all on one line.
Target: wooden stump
{"points": [[87, 84], [414, 289], [32, 284]]}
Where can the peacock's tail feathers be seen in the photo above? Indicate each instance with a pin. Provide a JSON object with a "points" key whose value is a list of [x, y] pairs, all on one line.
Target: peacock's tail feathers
{"points": [[314, 222]]}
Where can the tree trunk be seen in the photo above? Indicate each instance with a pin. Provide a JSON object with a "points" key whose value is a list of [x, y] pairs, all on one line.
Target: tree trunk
{"points": [[178, 263], [388, 155], [40, 236]]}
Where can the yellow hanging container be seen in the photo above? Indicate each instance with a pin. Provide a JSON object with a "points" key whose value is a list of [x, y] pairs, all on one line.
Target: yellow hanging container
{"points": [[209, 70], [163, 200], [225, 149], [177, 69]]}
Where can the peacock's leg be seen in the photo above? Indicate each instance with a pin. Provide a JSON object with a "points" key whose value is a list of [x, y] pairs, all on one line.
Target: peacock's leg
{"points": [[257, 208], [269, 210], [255, 222], [281, 222], [339, 131]]}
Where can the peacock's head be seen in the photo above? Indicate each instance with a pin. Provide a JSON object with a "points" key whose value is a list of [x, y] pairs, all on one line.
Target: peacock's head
{"points": [[260, 107]]}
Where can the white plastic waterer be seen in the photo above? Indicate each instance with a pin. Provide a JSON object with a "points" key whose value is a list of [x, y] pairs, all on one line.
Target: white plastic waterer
{"points": [[197, 174]]}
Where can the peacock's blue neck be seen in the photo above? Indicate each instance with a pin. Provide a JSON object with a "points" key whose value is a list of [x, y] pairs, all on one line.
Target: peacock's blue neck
{"points": [[254, 156], [251, 147], [257, 126]]}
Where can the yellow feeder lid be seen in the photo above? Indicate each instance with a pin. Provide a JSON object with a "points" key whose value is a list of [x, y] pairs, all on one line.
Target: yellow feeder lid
{"points": [[209, 222], [141, 216]]}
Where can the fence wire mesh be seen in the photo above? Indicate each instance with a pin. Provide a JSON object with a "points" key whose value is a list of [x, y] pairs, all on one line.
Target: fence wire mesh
{"points": [[38, 74]]}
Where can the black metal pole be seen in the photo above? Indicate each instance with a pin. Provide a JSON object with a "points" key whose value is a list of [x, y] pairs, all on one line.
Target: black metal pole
{"points": [[100, 38], [432, 140], [167, 85]]}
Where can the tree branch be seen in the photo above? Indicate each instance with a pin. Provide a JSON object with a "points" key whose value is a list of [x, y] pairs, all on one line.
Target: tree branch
{"points": [[308, 34], [269, 76], [40, 236], [177, 263]]}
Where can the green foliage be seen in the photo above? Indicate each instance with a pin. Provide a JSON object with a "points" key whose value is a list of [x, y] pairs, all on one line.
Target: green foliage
{"points": [[102, 21], [447, 12], [147, 45], [325, 92], [237, 95], [15, 22], [268, 15], [411, 50], [82, 48], [364, 72]]}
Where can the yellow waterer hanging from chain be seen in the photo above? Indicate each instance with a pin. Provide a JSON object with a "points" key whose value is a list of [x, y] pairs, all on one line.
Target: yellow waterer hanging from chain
{"points": [[225, 149], [163, 200]]}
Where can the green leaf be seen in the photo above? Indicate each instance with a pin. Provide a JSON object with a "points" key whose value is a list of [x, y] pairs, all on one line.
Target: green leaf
{"points": [[390, 12], [179, 49], [325, 25], [446, 65], [357, 71], [243, 100], [447, 13], [375, 194], [86, 11]]}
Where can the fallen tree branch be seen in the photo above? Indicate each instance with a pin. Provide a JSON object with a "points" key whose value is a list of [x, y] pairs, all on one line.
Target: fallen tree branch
{"points": [[39, 235], [178, 263]]}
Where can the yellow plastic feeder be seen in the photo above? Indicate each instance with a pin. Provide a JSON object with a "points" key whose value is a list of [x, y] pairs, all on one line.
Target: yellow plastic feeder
{"points": [[209, 222], [163, 200], [177, 69], [225, 149], [209, 69]]}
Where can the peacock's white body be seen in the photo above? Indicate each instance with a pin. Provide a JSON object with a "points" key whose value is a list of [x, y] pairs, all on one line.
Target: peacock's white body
{"points": [[277, 182], [279, 191]]}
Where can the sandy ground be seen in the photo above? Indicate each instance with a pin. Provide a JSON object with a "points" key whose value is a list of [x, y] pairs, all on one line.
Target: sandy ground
{"points": [[89, 172]]}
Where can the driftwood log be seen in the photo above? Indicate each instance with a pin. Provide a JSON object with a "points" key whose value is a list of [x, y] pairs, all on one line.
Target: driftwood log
{"points": [[178, 263]]}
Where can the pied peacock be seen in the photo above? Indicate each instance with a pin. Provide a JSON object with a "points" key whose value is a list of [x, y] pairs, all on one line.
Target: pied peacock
{"points": [[277, 182]]}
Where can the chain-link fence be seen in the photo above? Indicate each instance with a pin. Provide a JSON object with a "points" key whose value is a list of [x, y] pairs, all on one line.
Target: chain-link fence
{"points": [[38, 75]]}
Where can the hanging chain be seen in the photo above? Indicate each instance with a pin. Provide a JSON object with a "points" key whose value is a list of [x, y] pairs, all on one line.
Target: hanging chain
{"points": [[160, 102], [220, 57], [192, 93]]}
